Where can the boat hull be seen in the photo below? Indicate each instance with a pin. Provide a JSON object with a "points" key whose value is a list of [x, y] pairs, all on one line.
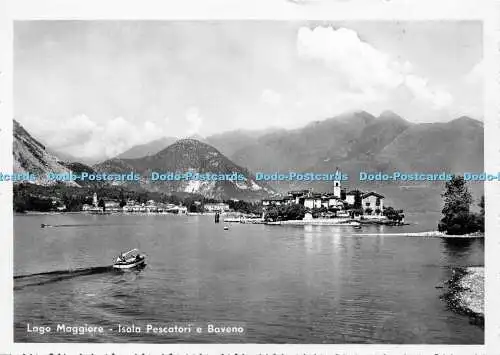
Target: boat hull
{"points": [[131, 265]]}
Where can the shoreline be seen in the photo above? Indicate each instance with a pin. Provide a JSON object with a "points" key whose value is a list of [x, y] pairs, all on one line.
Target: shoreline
{"points": [[430, 234], [345, 222], [465, 293]]}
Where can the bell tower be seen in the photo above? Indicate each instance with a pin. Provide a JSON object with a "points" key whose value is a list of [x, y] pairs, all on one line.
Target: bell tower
{"points": [[336, 183]]}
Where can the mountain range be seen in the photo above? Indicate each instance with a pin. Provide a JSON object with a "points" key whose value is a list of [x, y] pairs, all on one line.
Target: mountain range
{"points": [[151, 148], [353, 142], [190, 155], [30, 156]]}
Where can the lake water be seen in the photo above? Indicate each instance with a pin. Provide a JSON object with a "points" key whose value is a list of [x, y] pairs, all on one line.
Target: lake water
{"points": [[281, 284]]}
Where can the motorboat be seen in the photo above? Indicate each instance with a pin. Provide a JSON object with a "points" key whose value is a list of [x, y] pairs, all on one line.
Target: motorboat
{"points": [[130, 259]]}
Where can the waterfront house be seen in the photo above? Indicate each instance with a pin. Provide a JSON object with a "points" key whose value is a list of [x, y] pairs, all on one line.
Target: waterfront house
{"points": [[312, 201], [112, 206], [372, 201]]}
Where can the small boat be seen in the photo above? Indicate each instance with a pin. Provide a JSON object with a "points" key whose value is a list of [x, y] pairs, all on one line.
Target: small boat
{"points": [[129, 260], [226, 228]]}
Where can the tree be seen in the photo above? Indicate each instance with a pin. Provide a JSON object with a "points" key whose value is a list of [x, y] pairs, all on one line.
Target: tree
{"points": [[356, 212], [480, 216], [295, 212], [457, 218], [357, 199], [393, 215], [101, 204], [286, 212], [272, 214]]}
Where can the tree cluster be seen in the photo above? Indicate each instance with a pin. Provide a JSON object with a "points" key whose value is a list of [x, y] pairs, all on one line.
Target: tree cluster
{"points": [[393, 214], [285, 212], [457, 217]]}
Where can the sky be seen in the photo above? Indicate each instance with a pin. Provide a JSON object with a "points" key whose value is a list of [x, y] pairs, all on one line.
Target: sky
{"points": [[96, 88]]}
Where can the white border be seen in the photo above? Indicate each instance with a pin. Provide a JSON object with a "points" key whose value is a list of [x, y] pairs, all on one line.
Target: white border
{"points": [[486, 10]]}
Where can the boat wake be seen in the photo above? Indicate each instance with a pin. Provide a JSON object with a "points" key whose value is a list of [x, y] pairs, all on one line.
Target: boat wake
{"points": [[44, 225], [43, 278]]}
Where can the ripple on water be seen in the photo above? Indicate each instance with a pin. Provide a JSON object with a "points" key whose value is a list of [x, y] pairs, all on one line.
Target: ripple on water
{"points": [[285, 284]]}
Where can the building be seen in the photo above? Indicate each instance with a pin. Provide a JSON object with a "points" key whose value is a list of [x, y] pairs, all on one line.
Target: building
{"points": [[273, 201], [372, 201], [338, 201], [337, 191], [296, 195], [350, 197], [112, 205], [334, 202], [94, 200], [312, 201]]}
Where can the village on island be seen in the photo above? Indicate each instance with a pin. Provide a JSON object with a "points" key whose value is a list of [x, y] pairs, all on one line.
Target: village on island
{"points": [[294, 207]]}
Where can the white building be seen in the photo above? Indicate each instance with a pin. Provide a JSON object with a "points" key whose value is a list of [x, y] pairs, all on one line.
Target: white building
{"points": [[313, 201], [334, 202], [372, 201], [350, 197]]}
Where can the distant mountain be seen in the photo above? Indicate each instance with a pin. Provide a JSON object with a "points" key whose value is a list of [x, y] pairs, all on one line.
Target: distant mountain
{"points": [[299, 149], [227, 143], [146, 149], [190, 155], [359, 141], [353, 142], [377, 135], [455, 146], [68, 158], [230, 142], [30, 156]]}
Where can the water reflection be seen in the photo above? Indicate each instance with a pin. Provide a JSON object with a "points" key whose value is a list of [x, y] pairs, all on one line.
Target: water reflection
{"points": [[457, 250], [336, 240], [305, 284]]}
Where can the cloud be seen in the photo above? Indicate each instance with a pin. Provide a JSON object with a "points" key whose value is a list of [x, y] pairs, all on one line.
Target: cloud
{"points": [[195, 121], [475, 75], [364, 70], [270, 97], [82, 137], [423, 92]]}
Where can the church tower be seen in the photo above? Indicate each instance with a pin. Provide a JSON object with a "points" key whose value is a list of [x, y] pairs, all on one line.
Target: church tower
{"points": [[94, 200], [336, 183]]}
